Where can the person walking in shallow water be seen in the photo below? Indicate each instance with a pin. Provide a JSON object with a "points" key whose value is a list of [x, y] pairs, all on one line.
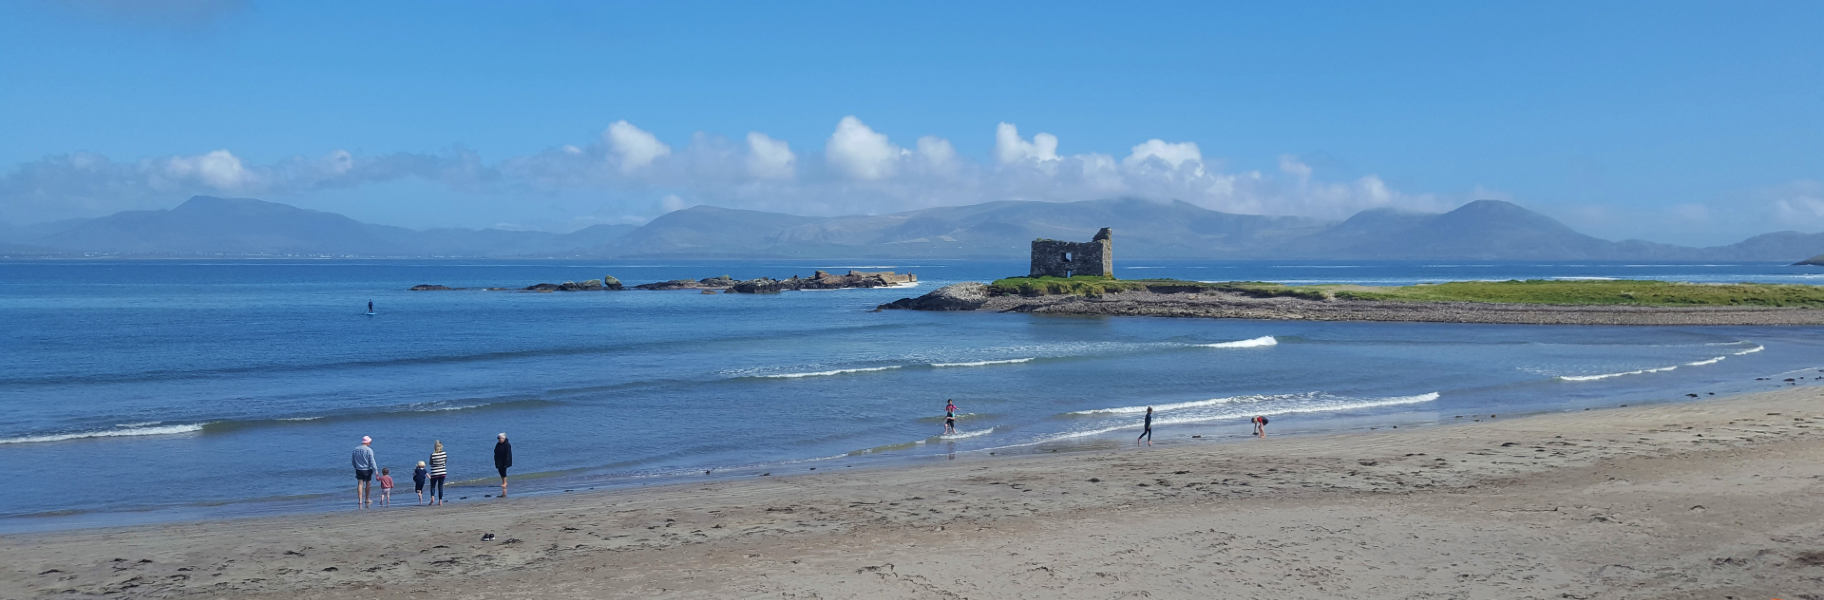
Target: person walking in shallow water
{"points": [[439, 468], [1148, 432], [503, 458], [949, 417], [1260, 427], [364, 470]]}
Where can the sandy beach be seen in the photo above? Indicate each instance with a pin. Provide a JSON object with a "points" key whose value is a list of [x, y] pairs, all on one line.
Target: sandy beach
{"points": [[1712, 499]]}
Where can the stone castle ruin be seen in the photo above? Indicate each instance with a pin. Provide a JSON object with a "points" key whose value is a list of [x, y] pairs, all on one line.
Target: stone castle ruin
{"points": [[1053, 258]]}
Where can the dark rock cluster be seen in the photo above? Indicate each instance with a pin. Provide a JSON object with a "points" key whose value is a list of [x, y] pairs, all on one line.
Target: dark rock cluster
{"points": [[822, 280], [961, 296], [722, 282], [593, 285]]}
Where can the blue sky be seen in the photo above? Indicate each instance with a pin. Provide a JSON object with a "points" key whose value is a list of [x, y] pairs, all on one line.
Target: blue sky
{"points": [[1691, 123]]}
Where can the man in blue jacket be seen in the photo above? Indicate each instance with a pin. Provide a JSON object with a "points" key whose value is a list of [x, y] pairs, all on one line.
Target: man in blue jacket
{"points": [[364, 470]]}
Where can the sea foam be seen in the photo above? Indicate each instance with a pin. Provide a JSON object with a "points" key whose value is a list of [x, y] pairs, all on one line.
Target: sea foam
{"points": [[827, 373], [105, 433], [1265, 340], [1608, 375], [1332, 404], [982, 363], [1132, 410]]}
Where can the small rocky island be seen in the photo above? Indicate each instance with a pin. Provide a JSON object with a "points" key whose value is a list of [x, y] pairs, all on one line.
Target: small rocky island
{"points": [[820, 280], [1077, 279]]}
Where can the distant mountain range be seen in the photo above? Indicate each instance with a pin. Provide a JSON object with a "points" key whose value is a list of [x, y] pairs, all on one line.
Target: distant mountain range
{"points": [[1484, 229]]}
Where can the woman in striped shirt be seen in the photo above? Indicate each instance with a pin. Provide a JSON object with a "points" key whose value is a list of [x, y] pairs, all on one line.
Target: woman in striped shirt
{"points": [[439, 468]]}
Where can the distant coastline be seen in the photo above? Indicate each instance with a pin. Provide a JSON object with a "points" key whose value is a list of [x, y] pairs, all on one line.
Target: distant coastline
{"points": [[1802, 305]]}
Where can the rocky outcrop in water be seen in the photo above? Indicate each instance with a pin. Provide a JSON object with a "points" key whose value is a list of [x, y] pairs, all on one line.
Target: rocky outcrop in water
{"points": [[960, 296], [430, 288], [822, 280], [593, 285], [1816, 261], [722, 282]]}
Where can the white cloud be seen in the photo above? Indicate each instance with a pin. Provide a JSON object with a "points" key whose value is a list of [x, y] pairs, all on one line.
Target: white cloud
{"points": [[220, 169], [768, 158], [1291, 165], [860, 152], [1173, 155], [1009, 148], [634, 147], [671, 202]]}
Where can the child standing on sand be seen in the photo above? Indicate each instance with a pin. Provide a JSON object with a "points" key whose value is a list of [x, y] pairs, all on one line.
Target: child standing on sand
{"points": [[418, 476], [386, 487]]}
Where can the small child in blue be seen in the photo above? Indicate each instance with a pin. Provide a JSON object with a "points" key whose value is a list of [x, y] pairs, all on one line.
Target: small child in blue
{"points": [[418, 476]]}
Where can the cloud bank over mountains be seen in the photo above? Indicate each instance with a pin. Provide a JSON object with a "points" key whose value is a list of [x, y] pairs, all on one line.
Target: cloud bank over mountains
{"points": [[632, 174], [629, 175]]}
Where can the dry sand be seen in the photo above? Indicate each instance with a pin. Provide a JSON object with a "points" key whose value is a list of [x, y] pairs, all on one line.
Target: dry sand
{"points": [[1714, 499]]}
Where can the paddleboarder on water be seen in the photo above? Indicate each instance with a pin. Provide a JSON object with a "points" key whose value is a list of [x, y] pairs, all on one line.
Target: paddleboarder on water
{"points": [[370, 307]]}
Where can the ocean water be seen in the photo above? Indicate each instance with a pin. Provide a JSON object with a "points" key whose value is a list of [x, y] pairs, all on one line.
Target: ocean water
{"points": [[152, 390]]}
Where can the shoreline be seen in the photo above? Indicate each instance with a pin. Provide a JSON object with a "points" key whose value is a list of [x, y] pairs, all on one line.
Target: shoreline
{"points": [[722, 537], [1215, 304]]}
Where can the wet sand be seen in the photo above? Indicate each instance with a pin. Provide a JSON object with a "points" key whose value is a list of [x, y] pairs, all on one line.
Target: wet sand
{"points": [[1713, 499]]}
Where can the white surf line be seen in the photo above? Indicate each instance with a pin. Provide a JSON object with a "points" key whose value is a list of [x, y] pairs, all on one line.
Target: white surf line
{"points": [[1608, 375], [827, 373], [983, 363], [1338, 407], [105, 433], [1262, 341], [1131, 410]]}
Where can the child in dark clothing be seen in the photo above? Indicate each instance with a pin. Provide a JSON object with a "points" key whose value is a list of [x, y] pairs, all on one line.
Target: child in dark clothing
{"points": [[418, 476]]}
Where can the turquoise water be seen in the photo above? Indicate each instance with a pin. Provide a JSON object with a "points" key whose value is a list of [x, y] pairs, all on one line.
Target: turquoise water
{"points": [[146, 390]]}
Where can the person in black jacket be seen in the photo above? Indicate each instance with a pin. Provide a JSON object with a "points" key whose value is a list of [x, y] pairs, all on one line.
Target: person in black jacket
{"points": [[503, 458]]}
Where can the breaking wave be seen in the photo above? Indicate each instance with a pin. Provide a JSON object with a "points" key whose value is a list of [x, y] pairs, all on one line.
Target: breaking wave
{"points": [[1134, 410], [1265, 340], [105, 433], [827, 373], [982, 363], [1326, 404], [1608, 375]]}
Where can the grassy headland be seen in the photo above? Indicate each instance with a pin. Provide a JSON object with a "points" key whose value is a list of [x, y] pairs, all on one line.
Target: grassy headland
{"points": [[1625, 292]]}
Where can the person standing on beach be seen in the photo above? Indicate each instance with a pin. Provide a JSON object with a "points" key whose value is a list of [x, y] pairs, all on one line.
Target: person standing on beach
{"points": [[386, 487], [1148, 432], [419, 475], [1260, 427], [439, 469], [503, 458], [364, 470]]}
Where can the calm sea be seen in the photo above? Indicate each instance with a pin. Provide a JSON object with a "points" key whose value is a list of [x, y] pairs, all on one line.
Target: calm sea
{"points": [[153, 390]]}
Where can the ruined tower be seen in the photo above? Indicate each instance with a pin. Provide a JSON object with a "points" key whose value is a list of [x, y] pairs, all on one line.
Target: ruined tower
{"points": [[1053, 258]]}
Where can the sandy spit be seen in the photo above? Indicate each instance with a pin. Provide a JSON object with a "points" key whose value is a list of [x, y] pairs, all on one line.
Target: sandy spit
{"points": [[1712, 499], [1227, 305]]}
